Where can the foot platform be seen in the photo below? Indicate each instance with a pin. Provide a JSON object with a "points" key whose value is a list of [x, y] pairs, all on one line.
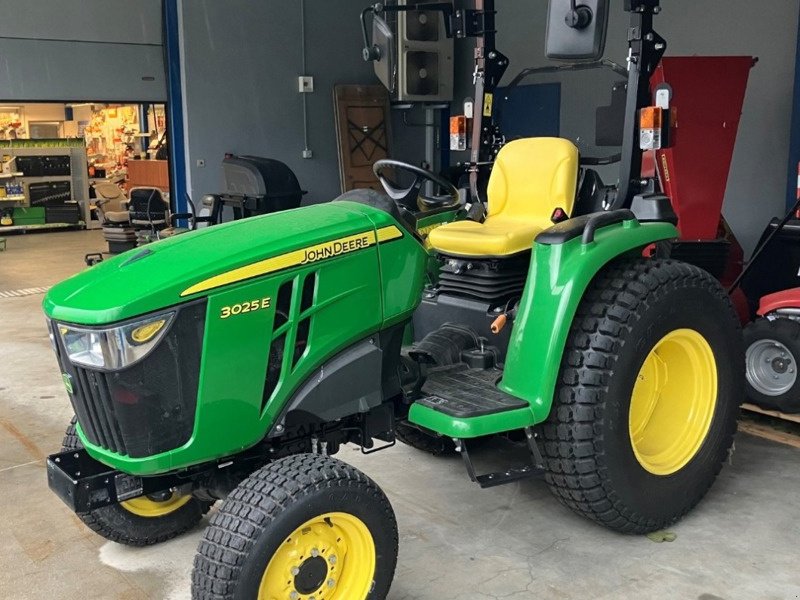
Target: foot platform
{"points": [[464, 393]]}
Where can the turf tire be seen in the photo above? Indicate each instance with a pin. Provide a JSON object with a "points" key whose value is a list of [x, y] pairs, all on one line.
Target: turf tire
{"points": [[590, 463], [117, 524], [269, 505]]}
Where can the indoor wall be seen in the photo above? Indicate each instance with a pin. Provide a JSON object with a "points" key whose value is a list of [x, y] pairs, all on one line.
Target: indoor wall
{"points": [[241, 60]]}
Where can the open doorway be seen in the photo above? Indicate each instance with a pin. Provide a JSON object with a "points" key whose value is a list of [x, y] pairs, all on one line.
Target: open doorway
{"points": [[56, 157]]}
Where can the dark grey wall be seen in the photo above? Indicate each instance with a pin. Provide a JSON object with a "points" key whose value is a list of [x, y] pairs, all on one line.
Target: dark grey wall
{"points": [[87, 50], [241, 63]]}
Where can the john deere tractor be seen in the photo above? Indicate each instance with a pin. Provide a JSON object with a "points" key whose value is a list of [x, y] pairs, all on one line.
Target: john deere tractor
{"points": [[230, 364]]}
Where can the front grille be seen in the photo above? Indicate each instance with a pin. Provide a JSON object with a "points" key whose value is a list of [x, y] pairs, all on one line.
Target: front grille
{"points": [[95, 410], [149, 407]]}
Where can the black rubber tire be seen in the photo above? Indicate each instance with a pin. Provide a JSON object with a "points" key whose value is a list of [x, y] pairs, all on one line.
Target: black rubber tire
{"points": [[591, 466], [437, 445], [786, 332], [117, 524], [269, 505]]}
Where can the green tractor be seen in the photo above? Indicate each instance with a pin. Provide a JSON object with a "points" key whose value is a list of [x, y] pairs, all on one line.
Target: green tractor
{"points": [[231, 363]]}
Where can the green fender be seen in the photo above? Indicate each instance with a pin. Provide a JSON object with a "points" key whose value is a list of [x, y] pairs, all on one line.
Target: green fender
{"points": [[558, 278]]}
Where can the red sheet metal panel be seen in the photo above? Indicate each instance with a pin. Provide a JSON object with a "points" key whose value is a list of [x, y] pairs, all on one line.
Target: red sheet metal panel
{"points": [[708, 93]]}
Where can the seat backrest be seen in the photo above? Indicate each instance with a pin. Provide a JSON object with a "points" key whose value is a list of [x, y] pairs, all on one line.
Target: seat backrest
{"points": [[532, 177], [111, 198], [147, 205]]}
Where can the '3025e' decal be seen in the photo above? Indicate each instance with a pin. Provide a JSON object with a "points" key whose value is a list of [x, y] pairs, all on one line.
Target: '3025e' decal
{"points": [[245, 307]]}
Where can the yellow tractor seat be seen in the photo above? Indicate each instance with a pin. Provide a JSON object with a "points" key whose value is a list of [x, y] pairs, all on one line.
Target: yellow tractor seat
{"points": [[531, 179]]}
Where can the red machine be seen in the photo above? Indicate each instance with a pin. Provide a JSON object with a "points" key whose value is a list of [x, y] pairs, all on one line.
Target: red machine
{"points": [[772, 340], [708, 94]]}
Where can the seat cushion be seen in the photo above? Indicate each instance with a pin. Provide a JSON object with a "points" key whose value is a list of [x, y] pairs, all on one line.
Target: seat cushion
{"points": [[117, 217], [494, 237], [531, 179]]}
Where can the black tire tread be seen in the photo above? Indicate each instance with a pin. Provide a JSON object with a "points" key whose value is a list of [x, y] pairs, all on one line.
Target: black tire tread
{"points": [[112, 523], [255, 503], [575, 462]]}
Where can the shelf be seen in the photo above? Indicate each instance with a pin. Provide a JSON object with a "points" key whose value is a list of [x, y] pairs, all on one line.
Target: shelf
{"points": [[10, 175], [41, 227], [14, 198]]}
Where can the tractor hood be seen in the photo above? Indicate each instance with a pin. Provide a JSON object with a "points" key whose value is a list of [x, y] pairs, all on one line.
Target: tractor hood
{"points": [[168, 272]]}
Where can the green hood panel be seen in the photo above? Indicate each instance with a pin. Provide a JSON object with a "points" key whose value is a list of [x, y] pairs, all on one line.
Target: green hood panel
{"points": [[154, 277]]}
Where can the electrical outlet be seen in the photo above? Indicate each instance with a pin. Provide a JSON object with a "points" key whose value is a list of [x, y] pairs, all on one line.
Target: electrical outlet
{"points": [[201, 162], [305, 84], [308, 153]]}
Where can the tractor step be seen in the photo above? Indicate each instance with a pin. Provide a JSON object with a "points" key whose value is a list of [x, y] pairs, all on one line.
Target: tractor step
{"points": [[515, 473], [463, 393]]}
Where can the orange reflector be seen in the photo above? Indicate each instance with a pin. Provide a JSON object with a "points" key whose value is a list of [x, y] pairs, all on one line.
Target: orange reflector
{"points": [[458, 133], [458, 125], [651, 117]]}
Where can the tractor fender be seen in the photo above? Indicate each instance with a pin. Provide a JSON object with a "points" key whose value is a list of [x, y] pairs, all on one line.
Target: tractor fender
{"points": [[564, 262], [784, 299]]}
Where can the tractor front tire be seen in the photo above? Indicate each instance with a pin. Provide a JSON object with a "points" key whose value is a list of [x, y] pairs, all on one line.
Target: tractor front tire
{"points": [[303, 526], [141, 521], [648, 395]]}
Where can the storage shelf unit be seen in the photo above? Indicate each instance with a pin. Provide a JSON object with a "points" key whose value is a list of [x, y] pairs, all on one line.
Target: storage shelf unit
{"points": [[73, 149]]}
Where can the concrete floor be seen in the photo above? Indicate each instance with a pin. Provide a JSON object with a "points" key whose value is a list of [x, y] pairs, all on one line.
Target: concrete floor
{"points": [[456, 541]]}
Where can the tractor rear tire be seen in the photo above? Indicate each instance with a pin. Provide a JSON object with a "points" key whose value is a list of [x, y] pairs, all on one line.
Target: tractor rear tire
{"points": [[144, 522], [648, 395], [772, 352], [303, 526]]}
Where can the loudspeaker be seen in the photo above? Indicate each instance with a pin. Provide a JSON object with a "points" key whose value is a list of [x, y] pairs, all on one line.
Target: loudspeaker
{"points": [[425, 57]]}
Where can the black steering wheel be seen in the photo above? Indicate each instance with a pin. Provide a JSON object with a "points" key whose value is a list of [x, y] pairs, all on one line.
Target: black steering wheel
{"points": [[412, 198]]}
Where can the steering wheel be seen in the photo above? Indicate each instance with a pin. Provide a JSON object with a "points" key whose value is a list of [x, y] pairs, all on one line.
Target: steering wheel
{"points": [[411, 198]]}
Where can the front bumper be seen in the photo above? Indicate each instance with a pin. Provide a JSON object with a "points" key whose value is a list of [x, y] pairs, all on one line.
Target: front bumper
{"points": [[85, 484]]}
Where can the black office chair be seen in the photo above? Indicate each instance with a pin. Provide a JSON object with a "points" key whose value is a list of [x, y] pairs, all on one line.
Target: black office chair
{"points": [[149, 212]]}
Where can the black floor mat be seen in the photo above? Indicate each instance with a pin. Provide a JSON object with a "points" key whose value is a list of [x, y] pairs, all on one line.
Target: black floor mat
{"points": [[464, 392]]}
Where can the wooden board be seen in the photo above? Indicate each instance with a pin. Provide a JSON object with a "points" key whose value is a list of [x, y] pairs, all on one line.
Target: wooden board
{"points": [[771, 413], [362, 129], [769, 433]]}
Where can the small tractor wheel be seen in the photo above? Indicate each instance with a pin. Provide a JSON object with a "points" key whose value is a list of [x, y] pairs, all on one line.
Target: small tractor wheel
{"points": [[772, 352], [143, 521], [649, 389], [437, 445], [303, 526]]}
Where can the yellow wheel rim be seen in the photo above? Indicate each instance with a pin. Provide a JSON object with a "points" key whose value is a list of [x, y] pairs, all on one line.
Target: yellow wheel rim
{"points": [[673, 402], [145, 507], [330, 557]]}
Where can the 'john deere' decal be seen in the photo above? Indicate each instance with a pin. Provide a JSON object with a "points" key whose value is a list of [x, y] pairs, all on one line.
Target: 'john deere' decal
{"points": [[339, 247], [310, 254]]}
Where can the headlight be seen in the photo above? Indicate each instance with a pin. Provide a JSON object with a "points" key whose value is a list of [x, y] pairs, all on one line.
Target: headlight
{"points": [[116, 347]]}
